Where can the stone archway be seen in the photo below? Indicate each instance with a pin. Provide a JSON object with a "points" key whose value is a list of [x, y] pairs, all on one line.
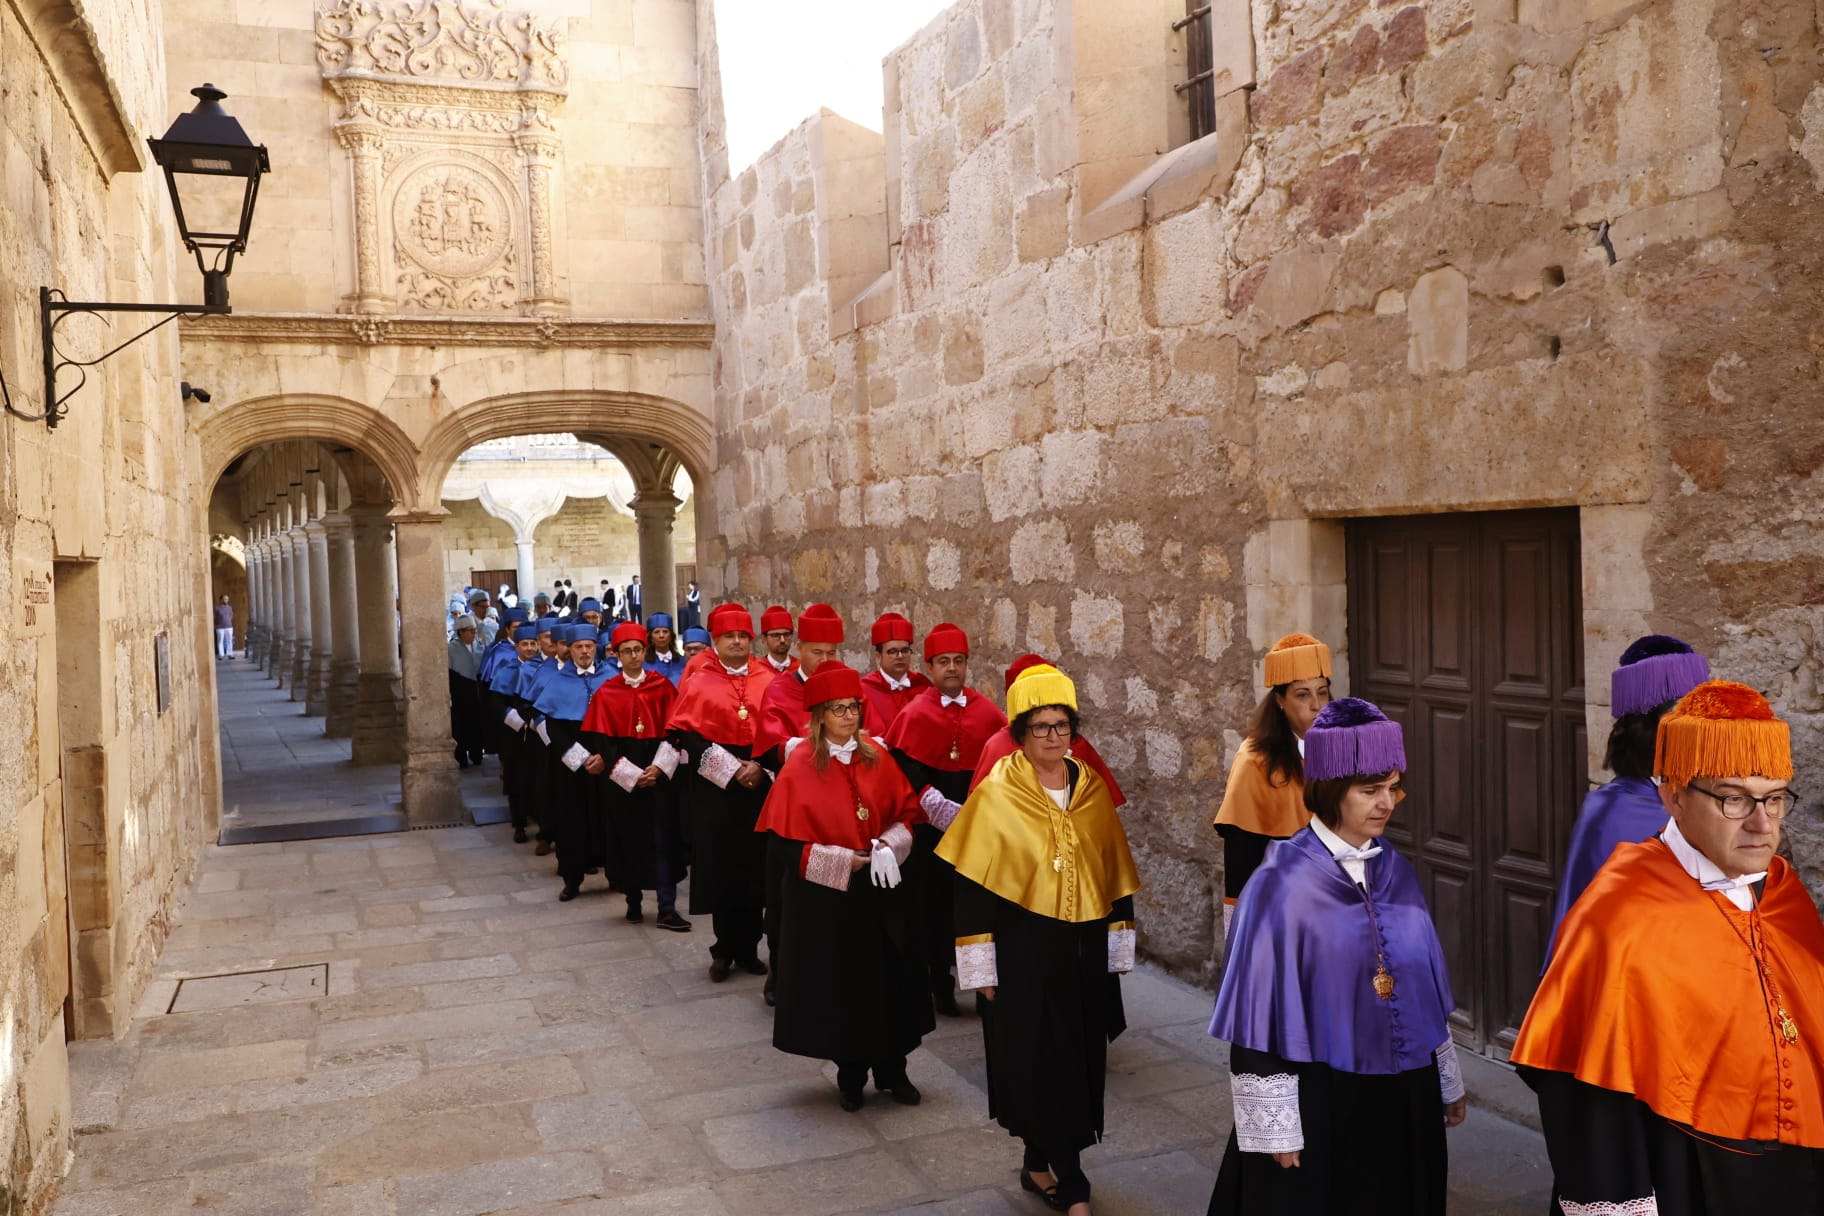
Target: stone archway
{"points": [[232, 429]]}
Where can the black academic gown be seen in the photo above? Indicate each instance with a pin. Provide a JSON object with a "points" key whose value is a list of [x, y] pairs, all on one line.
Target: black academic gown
{"points": [[934, 895], [728, 858], [631, 819], [467, 727], [578, 826]]}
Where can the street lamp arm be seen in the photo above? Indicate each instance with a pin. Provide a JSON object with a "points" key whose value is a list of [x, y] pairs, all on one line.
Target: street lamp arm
{"points": [[54, 308]]}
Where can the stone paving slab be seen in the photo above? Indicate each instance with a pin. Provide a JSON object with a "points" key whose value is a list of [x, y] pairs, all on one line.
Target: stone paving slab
{"points": [[483, 1048]]}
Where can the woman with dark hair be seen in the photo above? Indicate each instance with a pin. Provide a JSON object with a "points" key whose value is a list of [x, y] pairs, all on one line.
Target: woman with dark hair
{"points": [[1655, 671], [851, 974], [1045, 924], [1264, 800], [1335, 1003]]}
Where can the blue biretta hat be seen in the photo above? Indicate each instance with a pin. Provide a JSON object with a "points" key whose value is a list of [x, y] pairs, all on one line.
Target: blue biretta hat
{"points": [[516, 616], [697, 634], [590, 604], [525, 633], [658, 620]]}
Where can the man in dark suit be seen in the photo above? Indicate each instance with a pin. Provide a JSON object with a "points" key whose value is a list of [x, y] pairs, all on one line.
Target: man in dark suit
{"points": [[635, 604]]}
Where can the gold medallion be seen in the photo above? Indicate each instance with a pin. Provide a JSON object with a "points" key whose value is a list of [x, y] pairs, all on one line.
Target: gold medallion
{"points": [[861, 812], [1383, 983], [1057, 863], [742, 713], [953, 754], [639, 728], [1788, 1028]]}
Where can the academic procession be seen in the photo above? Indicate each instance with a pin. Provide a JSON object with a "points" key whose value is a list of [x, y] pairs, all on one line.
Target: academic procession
{"points": [[883, 848]]}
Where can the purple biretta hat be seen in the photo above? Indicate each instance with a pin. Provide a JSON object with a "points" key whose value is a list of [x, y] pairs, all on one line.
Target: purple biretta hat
{"points": [[1654, 670], [1353, 738]]}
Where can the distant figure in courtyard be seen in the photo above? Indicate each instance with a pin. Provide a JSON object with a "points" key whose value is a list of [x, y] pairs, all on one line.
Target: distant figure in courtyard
{"points": [[224, 629], [1264, 800], [690, 612], [1677, 1040], [851, 978], [635, 602], [1336, 1004], [467, 726]]}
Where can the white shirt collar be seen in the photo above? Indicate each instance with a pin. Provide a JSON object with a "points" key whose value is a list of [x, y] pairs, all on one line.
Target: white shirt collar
{"points": [[961, 698], [585, 671], [776, 665], [845, 752], [734, 671], [1708, 874], [1353, 860], [663, 656], [631, 681], [895, 685]]}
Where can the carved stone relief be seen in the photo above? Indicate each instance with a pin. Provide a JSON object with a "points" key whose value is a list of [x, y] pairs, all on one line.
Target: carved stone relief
{"points": [[449, 122]]}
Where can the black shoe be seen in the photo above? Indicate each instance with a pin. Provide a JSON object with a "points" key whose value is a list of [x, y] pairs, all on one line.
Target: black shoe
{"points": [[519, 836], [849, 1099], [945, 1003], [719, 970], [672, 921], [568, 893], [753, 966], [634, 915], [543, 849], [904, 1092], [771, 998], [1048, 1193]]}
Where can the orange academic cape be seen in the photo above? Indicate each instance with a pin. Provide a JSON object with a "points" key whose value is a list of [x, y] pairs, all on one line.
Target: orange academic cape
{"points": [[1256, 804], [1654, 992]]}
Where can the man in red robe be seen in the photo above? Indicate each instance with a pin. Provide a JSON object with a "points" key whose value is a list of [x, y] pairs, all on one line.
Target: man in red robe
{"points": [[1677, 1040], [624, 731], [1002, 745], [892, 684], [937, 740], [776, 633], [713, 724]]}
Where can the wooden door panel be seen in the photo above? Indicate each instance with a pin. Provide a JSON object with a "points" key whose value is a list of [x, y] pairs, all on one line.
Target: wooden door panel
{"points": [[1522, 781], [1524, 923], [1452, 900], [1449, 567], [1449, 779], [1389, 654]]}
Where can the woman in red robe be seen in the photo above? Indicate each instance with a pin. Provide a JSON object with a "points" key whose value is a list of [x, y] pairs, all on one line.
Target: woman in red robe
{"points": [[851, 978]]}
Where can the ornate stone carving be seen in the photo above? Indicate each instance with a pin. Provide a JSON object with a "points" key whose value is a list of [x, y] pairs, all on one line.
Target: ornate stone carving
{"points": [[454, 240], [484, 43], [330, 329]]}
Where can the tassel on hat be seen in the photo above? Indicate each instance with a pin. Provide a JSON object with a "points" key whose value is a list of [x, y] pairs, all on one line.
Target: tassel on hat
{"points": [[1722, 729], [1295, 657]]}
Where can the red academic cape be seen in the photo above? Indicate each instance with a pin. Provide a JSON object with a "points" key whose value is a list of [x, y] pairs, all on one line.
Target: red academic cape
{"points": [[1653, 991], [622, 711], [887, 702], [709, 703], [950, 738], [785, 716], [825, 807], [1001, 745], [697, 662]]}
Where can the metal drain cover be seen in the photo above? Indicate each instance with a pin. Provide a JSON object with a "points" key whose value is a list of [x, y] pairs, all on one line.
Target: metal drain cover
{"points": [[251, 988]]}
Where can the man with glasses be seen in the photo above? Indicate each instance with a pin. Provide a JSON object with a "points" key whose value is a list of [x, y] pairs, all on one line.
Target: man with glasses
{"points": [[776, 632], [891, 686], [1675, 1040]]}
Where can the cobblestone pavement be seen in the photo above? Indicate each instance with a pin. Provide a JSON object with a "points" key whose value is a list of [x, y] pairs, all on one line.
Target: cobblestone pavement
{"points": [[446, 1039]]}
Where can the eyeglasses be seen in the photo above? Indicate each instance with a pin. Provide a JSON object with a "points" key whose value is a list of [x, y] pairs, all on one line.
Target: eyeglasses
{"points": [[1740, 806], [774, 635], [1049, 730], [845, 709], [897, 652]]}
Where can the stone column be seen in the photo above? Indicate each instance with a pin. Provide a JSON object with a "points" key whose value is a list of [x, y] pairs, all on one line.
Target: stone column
{"points": [[654, 512], [432, 793], [316, 688], [364, 148], [271, 628], [259, 604], [300, 607], [526, 587], [379, 736], [288, 611], [250, 627], [540, 149], [344, 628]]}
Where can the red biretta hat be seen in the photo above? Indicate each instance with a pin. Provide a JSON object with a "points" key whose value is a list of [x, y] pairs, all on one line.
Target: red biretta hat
{"points": [[945, 638], [730, 618], [626, 631], [1022, 663], [833, 681], [891, 627], [775, 617], [819, 623]]}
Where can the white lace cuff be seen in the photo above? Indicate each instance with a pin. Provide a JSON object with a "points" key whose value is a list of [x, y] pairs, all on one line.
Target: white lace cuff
{"points": [[718, 766], [542, 732], [939, 810], [794, 741], [667, 758], [1121, 949], [899, 839], [975, 966], [1450, 1072], [829, 865], [573, 759], [1266, 1113], [1603, 1207], [514, 721], [626, 774]]}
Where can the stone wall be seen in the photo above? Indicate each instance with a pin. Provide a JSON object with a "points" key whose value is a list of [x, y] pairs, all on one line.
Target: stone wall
{"points": [[103, 800], [1029, 362]]}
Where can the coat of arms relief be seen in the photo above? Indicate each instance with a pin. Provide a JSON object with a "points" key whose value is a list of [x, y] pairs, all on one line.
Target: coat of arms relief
{"points": [[448, 119]]}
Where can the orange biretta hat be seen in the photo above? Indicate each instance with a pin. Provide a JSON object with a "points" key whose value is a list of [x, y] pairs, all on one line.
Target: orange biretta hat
{"points": [[1297, 656], [1722, 729]]}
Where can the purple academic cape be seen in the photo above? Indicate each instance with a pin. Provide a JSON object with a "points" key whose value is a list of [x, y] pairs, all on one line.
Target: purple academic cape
{"points": [[1299, 979], [1625, 811]]}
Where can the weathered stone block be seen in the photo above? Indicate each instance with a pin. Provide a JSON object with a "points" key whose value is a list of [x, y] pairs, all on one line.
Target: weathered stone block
{"points": [[1039, 551], [1437, 317]]}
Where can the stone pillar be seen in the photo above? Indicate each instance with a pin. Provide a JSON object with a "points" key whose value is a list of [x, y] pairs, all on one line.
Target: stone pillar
{"points": [[344, 628], [250, 628], [526, 587], [316, 689], [259, 604], [300, 607], [273, 627], [431, 790], [288, 611], [654, 512], [379, 736], [364, 146], [540, 150]]}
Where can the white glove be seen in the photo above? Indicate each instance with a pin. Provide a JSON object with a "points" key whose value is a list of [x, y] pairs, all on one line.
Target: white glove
{"points": [[514, 721], [883, 866]]}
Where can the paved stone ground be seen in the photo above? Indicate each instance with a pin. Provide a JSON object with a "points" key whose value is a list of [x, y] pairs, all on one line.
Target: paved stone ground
{"points": [[457, 1042]]}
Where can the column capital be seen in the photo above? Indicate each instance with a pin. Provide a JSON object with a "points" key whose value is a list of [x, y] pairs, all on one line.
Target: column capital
{"points": [[655, 502], [400, 515], [337, 524]]}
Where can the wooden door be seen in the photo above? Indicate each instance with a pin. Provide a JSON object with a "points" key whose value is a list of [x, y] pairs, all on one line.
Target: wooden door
{"points": [[1468, 630], [490, 581]]}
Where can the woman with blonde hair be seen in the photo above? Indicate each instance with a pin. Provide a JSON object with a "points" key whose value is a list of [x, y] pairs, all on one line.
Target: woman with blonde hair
{"points": [[851, 977], [1265, 799]]}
